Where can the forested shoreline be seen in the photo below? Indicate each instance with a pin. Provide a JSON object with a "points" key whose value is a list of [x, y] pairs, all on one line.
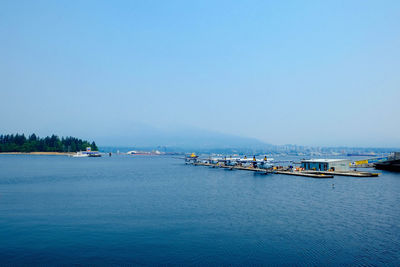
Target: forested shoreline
{"points": [[34, 143]]}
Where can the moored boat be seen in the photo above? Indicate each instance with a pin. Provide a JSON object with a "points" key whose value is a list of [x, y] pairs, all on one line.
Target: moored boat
{"points": [[389, 165], [392, 164], [80, 154], [87, 153], [94, 155]]}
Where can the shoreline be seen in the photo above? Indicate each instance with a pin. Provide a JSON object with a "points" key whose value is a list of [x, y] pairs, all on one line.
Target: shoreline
{"points": [[38, 153]]}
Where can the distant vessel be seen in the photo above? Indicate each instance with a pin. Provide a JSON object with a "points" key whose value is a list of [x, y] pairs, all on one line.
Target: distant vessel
{"points": [[80, 154], [134, 152], [94, 155], [87, 153], [392, 164], [152, 153]]}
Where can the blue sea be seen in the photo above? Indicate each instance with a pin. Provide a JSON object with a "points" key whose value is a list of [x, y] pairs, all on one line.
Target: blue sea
{"points": [[149, 210]]}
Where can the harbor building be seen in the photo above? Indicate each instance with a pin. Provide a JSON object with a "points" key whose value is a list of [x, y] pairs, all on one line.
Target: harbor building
{"points": [[326, 164]]}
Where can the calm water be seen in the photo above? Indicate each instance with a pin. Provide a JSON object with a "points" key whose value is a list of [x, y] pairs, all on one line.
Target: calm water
{"points": [[156, 210]]}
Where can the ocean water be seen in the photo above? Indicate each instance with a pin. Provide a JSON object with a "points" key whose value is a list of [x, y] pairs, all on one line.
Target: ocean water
{"points": [[148, 211]]}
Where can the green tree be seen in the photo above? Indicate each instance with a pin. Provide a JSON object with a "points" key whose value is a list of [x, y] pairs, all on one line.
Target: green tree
{"points": [[19, 143]]}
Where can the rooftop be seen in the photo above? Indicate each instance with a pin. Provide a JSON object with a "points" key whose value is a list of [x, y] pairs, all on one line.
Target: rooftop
{"points": [[324, 160]]}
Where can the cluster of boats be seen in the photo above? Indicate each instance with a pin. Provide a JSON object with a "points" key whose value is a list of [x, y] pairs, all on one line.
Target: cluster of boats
{"points": [[264, 163]]}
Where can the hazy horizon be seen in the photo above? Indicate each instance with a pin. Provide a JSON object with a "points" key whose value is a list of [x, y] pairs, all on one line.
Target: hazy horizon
{"points": [[304, 73], [149, 137]]}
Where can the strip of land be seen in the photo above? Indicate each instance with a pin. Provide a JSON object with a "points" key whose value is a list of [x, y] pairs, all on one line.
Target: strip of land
{"points": [[38, 153]]}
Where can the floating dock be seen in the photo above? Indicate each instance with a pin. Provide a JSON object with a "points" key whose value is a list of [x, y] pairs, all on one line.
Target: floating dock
{"points": [[267, 171], [345, 173], [305, 174], [314, 168]]}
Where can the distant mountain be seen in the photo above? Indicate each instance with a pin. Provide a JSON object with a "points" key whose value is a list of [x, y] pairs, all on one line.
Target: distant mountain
{"points": [[184, 137]]}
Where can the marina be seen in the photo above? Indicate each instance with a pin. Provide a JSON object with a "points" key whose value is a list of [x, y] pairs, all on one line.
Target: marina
{"points": [[259, 166], [265, 171]]}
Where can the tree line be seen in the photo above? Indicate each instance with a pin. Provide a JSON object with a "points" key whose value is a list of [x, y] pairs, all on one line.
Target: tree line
{"points": [[33, 143]]}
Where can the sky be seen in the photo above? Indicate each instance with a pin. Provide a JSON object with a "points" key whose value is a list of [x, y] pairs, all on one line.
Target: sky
{"points": [[320, 73]]}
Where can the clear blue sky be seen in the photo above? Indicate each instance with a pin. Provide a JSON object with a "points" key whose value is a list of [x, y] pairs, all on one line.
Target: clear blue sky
{"points": [[301, 72]]}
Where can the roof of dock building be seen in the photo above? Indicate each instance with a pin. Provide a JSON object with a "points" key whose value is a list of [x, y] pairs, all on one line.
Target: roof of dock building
{"points": [[324, 160]]}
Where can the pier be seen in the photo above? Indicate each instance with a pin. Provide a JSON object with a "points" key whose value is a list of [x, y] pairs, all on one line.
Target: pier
{"points": [[348, 173], [287, 171], [265, 171]]}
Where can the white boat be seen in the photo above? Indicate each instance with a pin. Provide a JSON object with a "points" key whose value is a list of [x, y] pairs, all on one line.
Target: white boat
{"points": [[80, 154]]}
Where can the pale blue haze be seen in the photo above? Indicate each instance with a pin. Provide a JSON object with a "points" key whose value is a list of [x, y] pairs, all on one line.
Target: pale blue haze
{"points": [[303, 72]]}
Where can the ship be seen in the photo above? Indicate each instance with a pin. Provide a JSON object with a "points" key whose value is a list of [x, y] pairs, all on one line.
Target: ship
{"points": [[87, 153], [148, 153], [392, 164]]}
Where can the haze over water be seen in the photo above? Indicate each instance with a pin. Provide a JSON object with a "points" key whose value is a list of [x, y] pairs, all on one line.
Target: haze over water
{"points": [[156, 210], [316, 73]]}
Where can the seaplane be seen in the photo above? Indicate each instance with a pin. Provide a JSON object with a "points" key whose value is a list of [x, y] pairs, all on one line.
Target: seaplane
{"points": [[228, 161], [192, 158], [259, 163], [264, 163], [212, 160]]}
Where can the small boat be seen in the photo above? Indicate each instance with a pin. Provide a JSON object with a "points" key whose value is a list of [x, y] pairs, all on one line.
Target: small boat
{"points": [[80, 154], [84, 154], [94, 155]]}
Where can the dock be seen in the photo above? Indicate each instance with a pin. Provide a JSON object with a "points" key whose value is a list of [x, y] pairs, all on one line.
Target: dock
{"points": [[305, 174], [266, 171], [313, 168], [343, 173]]}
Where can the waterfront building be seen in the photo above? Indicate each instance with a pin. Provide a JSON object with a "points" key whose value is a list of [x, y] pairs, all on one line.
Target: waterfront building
{"points": [[326, 164]]}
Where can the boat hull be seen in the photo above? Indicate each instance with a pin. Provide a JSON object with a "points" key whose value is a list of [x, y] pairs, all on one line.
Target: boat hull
{"points": [[390, 165]]}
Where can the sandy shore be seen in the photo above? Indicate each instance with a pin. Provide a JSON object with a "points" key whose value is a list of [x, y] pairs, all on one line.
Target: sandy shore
{"points": [[38, 153]]}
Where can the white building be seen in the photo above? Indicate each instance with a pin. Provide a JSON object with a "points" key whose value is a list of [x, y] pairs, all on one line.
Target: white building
{"points": [[326, 164]]}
